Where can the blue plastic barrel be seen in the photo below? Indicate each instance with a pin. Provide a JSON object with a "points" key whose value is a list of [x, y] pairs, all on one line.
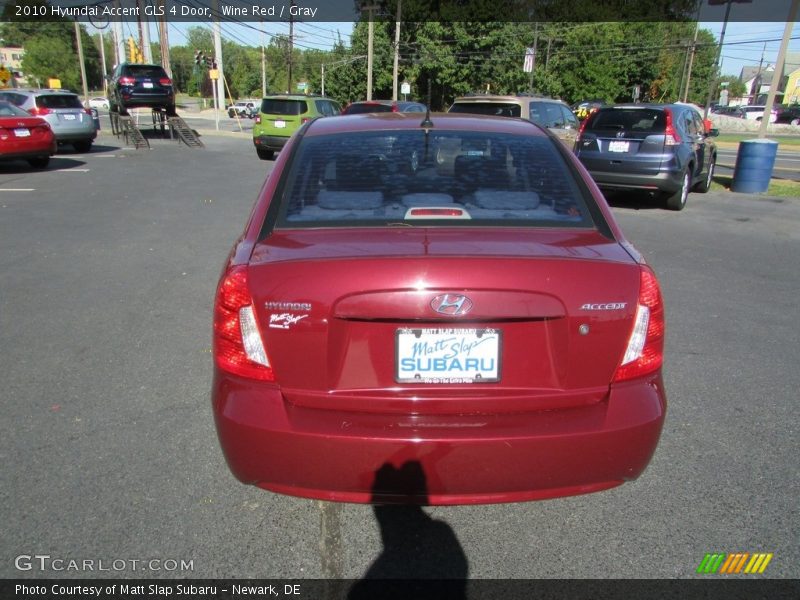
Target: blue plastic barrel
{"points": [[754, 163]]}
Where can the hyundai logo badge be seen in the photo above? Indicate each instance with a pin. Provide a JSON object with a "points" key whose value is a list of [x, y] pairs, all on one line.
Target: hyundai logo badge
{"points": [[451, 304]]}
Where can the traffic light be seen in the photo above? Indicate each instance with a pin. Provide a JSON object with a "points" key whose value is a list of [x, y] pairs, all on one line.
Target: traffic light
{"points": [[198, 57], [134, 54]]}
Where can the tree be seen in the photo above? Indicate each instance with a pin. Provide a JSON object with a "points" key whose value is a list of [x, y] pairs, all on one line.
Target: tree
{"points": [[47, 58]]}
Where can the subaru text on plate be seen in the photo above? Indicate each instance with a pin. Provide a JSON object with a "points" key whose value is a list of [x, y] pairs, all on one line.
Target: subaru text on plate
{"points": [[435, 310]]}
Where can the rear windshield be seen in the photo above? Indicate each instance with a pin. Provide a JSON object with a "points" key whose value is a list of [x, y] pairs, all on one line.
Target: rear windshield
{"points": [[357, 109], [280, 106], [58, 101], [628, 119], [154, 72], [440, 178], [498, 109]]}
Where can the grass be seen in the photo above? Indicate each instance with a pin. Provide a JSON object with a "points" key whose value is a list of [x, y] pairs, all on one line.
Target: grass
{"points": [[777, 187], [784, 141]]}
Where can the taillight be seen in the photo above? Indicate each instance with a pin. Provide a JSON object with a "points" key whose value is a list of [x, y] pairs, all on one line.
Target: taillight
{"points": [[88, 111], [671, 137], [237, 341], [38, 111], [645, 351], [304, 120], [394, 108], [165, 81], [127, 81]]}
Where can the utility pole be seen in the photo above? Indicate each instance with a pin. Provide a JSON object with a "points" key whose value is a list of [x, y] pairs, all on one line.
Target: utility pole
{"points": [[691, 62], [291, 49], [370, 35], [778, 73], [119, 38], [163, 38], [395, 70], [147, 49], [83, 66], [263, 64], [218, 57], [323, 79], [103, 62]]}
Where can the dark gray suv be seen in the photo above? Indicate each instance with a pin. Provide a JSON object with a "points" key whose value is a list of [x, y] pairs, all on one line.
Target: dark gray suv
{"points": [[664, 149]]}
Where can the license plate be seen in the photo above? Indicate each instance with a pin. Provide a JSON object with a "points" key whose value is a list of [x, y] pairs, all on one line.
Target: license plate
{"points": [[22, 132], [147, 84], [280, 124], [69, 117], [617, 146], [447, 355]]}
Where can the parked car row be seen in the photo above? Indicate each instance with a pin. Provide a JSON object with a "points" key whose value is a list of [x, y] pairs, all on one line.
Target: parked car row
{"points": [[666, 150], [39, 110]]}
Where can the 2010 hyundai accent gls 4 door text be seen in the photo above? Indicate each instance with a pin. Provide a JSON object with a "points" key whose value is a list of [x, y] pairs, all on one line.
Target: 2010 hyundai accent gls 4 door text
{"points": [[435, 309]]}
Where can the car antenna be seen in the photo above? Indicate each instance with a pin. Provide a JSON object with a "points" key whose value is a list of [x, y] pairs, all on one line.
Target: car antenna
{"points": [[426, 122]]}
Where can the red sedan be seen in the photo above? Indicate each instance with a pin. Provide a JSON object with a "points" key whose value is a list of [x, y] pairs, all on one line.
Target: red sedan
{"points": [[26, 137], [435, 310]]}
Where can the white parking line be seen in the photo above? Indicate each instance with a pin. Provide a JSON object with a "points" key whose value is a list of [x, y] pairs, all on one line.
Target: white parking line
{"points": [[17, 189], [70, 170]]}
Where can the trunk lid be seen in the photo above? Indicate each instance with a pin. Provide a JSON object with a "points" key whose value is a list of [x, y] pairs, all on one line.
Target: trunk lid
{"points": [[330, 304]]}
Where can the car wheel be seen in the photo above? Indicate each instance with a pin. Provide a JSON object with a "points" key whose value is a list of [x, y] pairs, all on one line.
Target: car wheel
{"points": [[265, 154], [231, 113], [677, 201], [40, 162], [794, 122], [705, 185], [83, 145]]}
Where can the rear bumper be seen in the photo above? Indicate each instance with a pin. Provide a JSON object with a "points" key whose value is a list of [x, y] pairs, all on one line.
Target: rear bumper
{"points": [[147, 100], [665, 181], [270, 142], [77, 135], [452, 459], [25, 151]]}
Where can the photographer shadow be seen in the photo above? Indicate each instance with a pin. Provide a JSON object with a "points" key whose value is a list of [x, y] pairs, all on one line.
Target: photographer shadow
{"points": [[422, 557]]}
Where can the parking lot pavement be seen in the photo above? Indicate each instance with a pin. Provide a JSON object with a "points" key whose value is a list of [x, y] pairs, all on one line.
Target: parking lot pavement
{"points": [[109, 267]]}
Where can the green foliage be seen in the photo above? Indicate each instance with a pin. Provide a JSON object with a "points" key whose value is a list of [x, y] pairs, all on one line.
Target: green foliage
{"points": [[736, 88], [51, 58]]}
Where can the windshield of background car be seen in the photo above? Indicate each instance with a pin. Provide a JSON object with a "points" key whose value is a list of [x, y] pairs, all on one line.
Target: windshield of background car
{"points": [[282, 106], [498, 109], [628, 119], [145, 71], [58, 101], [357, 109], [9, 110], [462, 178], [547, 114]]}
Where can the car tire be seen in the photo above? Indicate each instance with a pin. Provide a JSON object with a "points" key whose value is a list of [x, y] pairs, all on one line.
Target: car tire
{"points": [[794, 122], [83, 146], [677, 201], [265, 154], [231, 113], [705, 185], [40, 162]]}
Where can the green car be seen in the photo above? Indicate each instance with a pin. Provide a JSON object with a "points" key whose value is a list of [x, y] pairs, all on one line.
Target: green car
{"points": [[283, 114]]}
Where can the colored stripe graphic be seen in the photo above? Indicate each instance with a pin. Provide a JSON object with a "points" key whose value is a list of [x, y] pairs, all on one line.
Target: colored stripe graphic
{"points": [[734, 563]]}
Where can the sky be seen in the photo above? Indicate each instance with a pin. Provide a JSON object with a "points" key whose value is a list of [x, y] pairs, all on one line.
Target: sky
{"points": [[745, 42]]}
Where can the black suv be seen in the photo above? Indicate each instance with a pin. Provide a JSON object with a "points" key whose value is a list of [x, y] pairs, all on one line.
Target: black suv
{"points": [[134, 86], [661, 148]]}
